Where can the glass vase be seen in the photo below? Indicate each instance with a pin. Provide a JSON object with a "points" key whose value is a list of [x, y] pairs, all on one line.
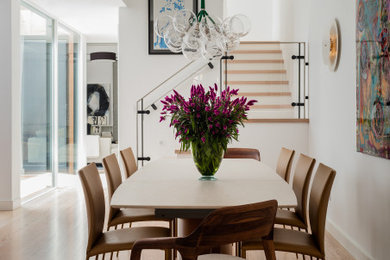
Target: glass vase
{"points": [[207, 158]]}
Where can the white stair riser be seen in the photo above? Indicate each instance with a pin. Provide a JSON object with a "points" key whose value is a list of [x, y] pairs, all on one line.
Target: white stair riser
{"points": [[282, 113], [268, 46], [258, 56], [260, 76], [262, 88], [255, 66], [271, 100]]}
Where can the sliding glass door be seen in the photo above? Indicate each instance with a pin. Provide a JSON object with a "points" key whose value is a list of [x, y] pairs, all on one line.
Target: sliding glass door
{"points": [[37, 37], [50, 58], [68, 46]]}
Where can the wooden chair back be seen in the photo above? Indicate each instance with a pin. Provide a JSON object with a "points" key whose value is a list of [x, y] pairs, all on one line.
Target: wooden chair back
{"points": [[232, 224], [114, 179], [301, 182], [242, 153], [222, 226], [94, 200], [283, 167], [318, 204], [129, 161]]}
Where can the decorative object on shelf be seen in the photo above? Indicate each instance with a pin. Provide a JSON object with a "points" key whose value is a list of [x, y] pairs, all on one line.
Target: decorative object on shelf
{"points": [[331, 46], [160, 9], [199, 35], [207, 123], [373, 78]]}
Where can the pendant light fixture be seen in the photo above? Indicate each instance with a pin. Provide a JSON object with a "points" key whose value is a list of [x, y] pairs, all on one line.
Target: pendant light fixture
{"points": [[200, 35]]}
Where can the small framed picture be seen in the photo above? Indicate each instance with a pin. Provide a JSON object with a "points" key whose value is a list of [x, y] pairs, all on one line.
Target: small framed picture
{"points": [[156, 43]]}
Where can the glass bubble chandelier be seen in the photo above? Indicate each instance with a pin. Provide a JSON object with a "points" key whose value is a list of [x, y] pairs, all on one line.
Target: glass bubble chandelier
{"points": [[200, 35]]}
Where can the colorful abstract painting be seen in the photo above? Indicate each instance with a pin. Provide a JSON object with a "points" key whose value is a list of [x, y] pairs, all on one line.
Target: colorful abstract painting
{"points": [[373, 77]]}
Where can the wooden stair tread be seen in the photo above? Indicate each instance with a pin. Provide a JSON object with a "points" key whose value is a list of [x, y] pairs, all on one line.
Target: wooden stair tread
{"points": [[260, 42], [255, 51], [256, 71], [178, 151], [256, 61], [283, 106], [257, 82], [264, 94]]}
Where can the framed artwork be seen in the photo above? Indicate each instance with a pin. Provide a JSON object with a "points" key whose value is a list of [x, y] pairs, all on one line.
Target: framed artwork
{"points": [[156, 43], [373, 77]]}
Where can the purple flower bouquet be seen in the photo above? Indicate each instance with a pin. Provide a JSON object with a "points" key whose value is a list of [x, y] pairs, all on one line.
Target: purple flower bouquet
{"points": [[207, 123]]}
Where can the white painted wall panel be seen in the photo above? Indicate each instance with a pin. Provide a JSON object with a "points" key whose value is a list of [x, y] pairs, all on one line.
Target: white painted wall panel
{"points": [[10, 140]]}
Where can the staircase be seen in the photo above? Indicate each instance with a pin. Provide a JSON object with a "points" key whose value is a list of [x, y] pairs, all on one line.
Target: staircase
{"points": [[264, 71]]}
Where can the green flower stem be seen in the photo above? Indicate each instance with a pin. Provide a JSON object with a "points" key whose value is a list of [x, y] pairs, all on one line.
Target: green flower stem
{"points": [[207, 156]]}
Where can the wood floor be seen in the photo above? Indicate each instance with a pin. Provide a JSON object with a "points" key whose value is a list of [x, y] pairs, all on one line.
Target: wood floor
{"points": [[54, 226]]}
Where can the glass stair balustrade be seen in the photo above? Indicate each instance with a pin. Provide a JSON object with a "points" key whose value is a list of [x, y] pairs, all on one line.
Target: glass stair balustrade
{"points": [[154, 138]]}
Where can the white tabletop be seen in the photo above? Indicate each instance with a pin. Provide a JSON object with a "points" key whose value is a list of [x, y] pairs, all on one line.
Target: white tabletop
{"points": [[172, 183]]}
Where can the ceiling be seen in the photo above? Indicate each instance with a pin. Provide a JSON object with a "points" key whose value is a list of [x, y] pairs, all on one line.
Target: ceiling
{"points": [[96, 19]]}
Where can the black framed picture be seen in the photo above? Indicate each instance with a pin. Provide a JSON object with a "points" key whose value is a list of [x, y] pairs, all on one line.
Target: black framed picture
{"points": [[156, 43]]}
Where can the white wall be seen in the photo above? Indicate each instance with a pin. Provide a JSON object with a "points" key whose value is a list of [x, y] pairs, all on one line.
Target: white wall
{"points": [[359, 210], [81, 100], [291, 20], [260, 12], [276, 20], [270, 137], [10, 141]]}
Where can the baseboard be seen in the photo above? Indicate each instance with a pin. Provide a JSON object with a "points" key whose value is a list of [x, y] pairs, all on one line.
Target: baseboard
{"points": [[347, 242], [9, 205]]}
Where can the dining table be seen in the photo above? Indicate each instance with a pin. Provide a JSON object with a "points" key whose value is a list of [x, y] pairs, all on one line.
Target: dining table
{"points": [[171, 187]]}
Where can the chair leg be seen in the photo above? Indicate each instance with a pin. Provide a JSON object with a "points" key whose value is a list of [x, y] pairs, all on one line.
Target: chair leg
{"points": [[269, 249], [243, 253], [168, 254], [173, 228], [238, 249], [117, 252]]}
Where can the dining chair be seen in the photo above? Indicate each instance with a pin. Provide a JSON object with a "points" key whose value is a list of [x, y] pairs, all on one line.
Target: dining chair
{"points": [[129, 161], [122, 216], [283, 166], [241, 153], [100, 242], [301, 182], [300, 242], [221, 227]]}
